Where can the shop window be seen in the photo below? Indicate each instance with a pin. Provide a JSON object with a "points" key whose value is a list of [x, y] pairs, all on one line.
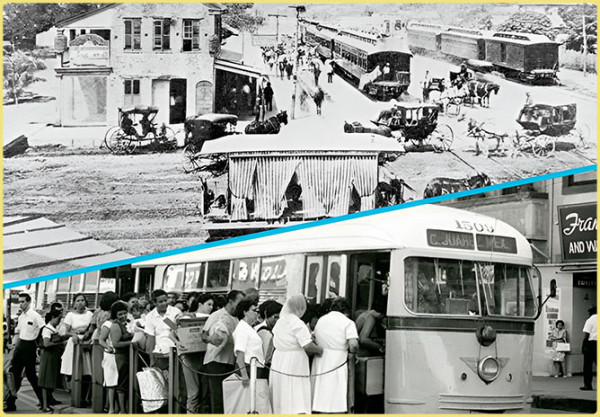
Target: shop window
{"points": [[133, 34], [580, 183], [132, 92], [162, 34], [191, 35]]}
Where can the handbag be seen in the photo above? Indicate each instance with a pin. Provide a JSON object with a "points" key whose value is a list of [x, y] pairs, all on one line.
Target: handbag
{"points": [[153, 389], [236, 397], [563, 347]]}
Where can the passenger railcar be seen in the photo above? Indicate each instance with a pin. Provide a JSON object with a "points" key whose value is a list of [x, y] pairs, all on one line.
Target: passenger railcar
{"points": [[527, 57]]}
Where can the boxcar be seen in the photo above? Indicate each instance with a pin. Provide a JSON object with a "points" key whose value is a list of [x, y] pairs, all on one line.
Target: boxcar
{"points": [[464, 43], [425, 36], [527, 57]]}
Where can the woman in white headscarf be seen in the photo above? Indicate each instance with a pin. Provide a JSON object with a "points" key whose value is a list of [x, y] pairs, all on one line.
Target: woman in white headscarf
{"points": [[290, 373]]}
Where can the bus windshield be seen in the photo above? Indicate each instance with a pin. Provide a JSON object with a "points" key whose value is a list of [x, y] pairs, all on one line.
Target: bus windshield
{"points": [[461, 287]]}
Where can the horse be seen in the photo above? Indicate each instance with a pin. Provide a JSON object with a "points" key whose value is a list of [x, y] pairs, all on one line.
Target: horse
{"points": [[357, 127], [481, 91], [443, 186], [271, 126]]}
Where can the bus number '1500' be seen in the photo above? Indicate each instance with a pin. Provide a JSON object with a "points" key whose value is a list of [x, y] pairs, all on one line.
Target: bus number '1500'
{"points": [[478, 227]]}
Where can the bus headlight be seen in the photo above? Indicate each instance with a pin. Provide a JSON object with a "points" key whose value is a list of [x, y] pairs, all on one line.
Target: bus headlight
{"points": [[488, 369]]}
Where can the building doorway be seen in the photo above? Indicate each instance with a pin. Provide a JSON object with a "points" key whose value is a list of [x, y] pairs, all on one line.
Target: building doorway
{"points": [[204, 97], [177, 99]]}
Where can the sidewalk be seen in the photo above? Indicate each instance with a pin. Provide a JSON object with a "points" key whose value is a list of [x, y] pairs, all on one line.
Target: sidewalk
{"points": [[563, 394]]}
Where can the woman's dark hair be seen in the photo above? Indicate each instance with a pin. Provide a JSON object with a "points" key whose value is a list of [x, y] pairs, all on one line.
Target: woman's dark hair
{"points": [[108, 299], [117, 307], [52, 314], [244, 305], [269, 308], [128, 296], [326, 306], [219, 302], [340, 304], [80, 295], [312, 311], [560, 321]]}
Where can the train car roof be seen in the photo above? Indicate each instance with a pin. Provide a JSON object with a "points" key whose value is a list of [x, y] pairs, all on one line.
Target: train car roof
{"points": [[321, 32], [467, 33], [402, 228], [301, 141], [520, 38], [367, 47], [427, 27]]}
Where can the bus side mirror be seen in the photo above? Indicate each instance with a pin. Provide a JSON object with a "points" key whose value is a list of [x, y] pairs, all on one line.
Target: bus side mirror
{"points": [[552, 288]]}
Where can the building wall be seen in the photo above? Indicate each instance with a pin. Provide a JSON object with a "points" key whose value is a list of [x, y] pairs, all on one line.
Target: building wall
{"points": [[146, 64]]}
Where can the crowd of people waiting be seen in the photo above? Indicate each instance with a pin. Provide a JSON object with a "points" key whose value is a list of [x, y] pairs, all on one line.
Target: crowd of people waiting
{"points": [[301, 349]]}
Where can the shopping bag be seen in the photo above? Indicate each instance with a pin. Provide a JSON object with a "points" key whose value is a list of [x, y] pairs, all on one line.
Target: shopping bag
{"points": [[563, 347], [236, 397], [153, 389]]}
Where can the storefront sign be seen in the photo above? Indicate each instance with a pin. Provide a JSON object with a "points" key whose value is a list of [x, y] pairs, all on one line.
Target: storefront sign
{"points": [[89, 50], [578, 227]]}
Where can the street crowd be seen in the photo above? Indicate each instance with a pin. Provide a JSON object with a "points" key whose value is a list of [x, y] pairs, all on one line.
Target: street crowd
{"points": [[301, 349]]}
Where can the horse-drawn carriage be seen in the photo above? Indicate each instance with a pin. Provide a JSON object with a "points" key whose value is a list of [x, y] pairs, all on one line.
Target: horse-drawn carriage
{"points": [[543, 123], [199, 129], [125, 138], [418, 124]]}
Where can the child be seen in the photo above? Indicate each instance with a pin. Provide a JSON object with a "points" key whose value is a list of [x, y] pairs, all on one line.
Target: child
{"points": [[50, 358]]}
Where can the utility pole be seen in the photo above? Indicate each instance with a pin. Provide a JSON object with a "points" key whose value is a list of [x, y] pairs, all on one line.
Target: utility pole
{"points": [[277, 16], [584, 41], [299, 9]]}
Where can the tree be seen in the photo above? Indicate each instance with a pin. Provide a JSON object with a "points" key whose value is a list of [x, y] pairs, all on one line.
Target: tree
{"points": [[528, 22], [22, 21], [18, 73], [239, 16], [572, 16]]}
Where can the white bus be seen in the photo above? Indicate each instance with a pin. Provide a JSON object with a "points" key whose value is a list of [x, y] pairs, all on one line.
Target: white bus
{"points": [[458, 288]]}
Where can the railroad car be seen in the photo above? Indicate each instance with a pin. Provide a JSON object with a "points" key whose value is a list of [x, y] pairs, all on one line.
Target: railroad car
{"points": [[427, 36]]}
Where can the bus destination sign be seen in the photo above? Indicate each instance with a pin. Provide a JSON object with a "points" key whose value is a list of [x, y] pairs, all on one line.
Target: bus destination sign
{"points": [[495, 243], [448, 239]]}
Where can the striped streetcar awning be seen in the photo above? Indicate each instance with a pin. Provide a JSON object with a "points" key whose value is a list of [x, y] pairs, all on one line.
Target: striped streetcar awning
{"points": [[229, 66], [36, 246]]}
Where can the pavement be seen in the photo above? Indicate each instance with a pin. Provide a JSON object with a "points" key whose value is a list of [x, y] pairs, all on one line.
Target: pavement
{"points": [[550, 396]]}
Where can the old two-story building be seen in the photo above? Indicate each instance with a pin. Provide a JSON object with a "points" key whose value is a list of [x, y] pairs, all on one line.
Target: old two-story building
{"points": [[172, 56], [558, 217]]}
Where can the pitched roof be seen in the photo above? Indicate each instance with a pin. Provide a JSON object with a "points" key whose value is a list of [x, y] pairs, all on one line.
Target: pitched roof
{"points": [[36, 246]]}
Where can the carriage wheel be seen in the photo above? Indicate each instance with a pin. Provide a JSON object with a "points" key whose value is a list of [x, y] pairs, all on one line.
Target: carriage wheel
{"points": [[119, 143], [108, 134], [542, 146], [167, 139], [190, 162], [442, 138]]}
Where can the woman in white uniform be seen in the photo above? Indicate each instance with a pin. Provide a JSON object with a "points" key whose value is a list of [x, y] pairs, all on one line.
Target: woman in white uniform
{"points": [[289, 380], [337, 335], [77, 325]]}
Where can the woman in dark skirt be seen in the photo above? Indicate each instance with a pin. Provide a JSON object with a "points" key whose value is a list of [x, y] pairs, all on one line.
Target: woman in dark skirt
{"points": [[50, 358], [121, 339]]}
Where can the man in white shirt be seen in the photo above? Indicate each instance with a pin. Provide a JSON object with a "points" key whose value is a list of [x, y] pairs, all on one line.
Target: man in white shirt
{"points": [[159, 324], [588, 348], [28, 328], [220, 358]]}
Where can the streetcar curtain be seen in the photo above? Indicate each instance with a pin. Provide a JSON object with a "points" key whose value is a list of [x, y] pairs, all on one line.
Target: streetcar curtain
{"points": [[365, 180], [329, 179], [273, 176], [241, 173]]}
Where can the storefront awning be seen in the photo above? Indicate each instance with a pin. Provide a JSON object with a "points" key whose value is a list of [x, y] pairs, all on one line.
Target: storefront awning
{"points": [[229, 66]]}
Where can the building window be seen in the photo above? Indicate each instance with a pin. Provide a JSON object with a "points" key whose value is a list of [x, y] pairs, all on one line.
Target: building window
{"points": [[580, 183], [133, 34], [132, 92], [191, 34], [162, 34]]}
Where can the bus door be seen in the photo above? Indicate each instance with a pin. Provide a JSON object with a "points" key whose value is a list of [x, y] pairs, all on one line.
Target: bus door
{"points": [[367, 280]]}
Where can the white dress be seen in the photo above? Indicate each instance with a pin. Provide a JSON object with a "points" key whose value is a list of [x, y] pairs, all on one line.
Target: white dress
{"points": [[332, 333], [77, 323], [109, 362], [290, 394]]}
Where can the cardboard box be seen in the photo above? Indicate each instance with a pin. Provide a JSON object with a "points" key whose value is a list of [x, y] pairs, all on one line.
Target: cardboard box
{"points": [[189, 333], [369, 375]]}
